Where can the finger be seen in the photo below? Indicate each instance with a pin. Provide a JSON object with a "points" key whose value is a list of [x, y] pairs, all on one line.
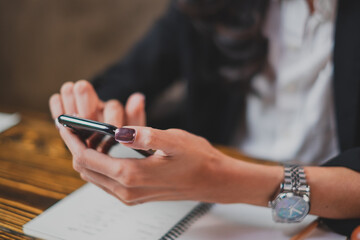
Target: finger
{"points": [[130, 172], [82, 134], [114, 113], [135, 110], [86, 99], [88, 179], [173, 196], [125, 194], [107, 145], [94, 140], [67, 96], [162, 197], [75, 145], [148, 138], [98, 162], [56, 107]]}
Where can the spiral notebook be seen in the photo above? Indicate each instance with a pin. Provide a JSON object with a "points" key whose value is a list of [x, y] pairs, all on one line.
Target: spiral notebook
{"points": [[90, 213]]}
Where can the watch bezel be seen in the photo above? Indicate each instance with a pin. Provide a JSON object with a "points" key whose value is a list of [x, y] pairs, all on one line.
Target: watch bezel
{"points": [[286, 195]]}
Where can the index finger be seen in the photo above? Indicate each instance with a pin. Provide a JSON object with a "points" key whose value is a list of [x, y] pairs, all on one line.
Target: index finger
{"points": [[75, 145], [87, 157]]}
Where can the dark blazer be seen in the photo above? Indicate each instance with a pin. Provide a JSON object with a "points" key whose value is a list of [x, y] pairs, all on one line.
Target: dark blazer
{"points": [[173, 50]]}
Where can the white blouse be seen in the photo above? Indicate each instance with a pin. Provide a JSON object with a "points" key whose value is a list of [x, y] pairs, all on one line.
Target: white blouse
{"points": [[291, 118]]}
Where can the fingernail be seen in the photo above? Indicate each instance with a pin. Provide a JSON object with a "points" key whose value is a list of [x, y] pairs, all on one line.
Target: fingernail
{"points": [[125, 135]]}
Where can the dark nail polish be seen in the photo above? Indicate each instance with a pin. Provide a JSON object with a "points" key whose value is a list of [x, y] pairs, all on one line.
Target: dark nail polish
{"points": [[125, 135]]}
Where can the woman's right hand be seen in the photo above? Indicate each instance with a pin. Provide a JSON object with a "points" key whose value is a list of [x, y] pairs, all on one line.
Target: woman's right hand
{"points": [[80, 99]]}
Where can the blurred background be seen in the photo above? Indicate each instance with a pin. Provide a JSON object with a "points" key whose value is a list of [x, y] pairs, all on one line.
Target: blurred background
{"points": [[45, 43]]}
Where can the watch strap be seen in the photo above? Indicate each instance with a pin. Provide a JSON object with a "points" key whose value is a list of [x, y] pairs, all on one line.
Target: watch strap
{"points": [[295, 180]]}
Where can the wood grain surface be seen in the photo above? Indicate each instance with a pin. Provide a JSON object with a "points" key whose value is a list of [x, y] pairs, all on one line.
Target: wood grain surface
{"points": [[36, 172]]}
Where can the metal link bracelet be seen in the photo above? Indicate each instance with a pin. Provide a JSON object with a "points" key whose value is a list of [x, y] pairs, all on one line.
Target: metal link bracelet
{"points": [[295, 179]]}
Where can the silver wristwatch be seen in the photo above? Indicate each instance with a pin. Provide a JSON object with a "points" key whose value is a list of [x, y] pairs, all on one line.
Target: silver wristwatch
{"points": [[292, 204]]}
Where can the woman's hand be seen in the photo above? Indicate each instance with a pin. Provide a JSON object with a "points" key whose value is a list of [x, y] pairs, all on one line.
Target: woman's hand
{"points": [[80, 99], [184, 167], [187, 167]]}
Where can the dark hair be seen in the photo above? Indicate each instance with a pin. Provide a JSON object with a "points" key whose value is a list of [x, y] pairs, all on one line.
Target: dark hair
{"points": [[235, 26]]}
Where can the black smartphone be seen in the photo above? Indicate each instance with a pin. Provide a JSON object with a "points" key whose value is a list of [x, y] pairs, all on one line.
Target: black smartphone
{"points": [[85, 128], [90, 126]]}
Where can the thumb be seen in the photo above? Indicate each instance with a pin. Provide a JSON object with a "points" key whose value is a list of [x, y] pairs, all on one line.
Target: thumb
{"points": [[146, 138]]}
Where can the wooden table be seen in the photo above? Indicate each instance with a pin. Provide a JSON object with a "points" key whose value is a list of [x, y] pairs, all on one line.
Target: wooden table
{"points": [[36, 171]]}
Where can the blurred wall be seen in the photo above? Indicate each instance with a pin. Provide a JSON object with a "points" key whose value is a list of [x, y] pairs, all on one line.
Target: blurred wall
{"points": [[45, 43]]}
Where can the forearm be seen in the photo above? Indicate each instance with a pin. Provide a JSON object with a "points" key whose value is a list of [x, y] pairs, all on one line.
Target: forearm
{"points": [[335, 191], [242, 182]]}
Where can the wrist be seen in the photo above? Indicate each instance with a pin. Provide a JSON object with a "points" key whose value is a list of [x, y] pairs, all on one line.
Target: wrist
{"points": [[292, 203], [238, 181]]}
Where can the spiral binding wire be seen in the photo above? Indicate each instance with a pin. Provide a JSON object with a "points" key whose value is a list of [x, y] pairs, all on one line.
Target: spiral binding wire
{"points": [[186, 222]]}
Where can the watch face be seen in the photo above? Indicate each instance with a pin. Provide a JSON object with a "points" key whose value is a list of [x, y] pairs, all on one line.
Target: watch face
{"points": [[291, 208]]}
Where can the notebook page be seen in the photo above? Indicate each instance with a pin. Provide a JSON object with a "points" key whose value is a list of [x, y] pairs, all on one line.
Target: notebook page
{"points": [[91, 213]]}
